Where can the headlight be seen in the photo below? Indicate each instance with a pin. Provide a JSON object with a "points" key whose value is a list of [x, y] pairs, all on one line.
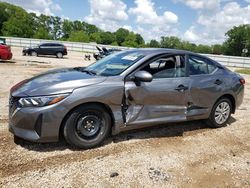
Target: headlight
{"points": [[41, 101]]}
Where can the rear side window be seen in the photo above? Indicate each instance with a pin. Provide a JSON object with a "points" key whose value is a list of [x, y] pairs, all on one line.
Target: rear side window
{"points": [[56, 45], [211, 67], [198, 65]]}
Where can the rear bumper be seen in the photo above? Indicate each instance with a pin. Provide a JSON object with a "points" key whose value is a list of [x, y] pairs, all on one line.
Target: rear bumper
{"points": [[6, 56], [240, 97], [65, 52]]}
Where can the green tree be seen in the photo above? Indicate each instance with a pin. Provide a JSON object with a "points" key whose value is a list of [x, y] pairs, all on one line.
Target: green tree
{"points": [[203, 49], [139, 40], [238, 39], [217, 49], [44, 21], [188, 46], [121, 35], [96, 37], [77, 26], [154, 44], [78, 36], [106, 37], [67, 28], [89, 28], [42, 33], [171, 42], [130, 40], [56, 29], [19, 24], [5, 11]]}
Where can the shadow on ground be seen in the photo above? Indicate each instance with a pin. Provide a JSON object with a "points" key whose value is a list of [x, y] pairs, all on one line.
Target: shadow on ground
{"points": [[167, 130], [6, 62]]}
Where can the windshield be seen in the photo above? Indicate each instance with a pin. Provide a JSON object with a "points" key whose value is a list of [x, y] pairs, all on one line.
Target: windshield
{"points": [[114, 64]]}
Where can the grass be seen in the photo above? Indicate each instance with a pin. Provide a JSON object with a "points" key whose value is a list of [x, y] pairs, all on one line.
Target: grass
{"points": [[243, 71]]}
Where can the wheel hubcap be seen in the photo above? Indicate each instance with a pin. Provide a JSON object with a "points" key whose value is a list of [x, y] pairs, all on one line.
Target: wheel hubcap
{"points": [[88, 125], [222, 112]]}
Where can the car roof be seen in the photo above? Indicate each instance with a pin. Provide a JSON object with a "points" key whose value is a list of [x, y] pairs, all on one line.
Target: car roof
{"points": [[148, 51], [49, 43]]}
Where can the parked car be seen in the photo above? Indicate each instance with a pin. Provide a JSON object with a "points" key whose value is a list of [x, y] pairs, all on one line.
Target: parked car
{"points": [[104, 52], [123, 91], [5, 52], [58, 50], [2, 41]]}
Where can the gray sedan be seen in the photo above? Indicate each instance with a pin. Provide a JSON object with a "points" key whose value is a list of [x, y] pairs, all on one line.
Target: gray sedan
{"points": [[127, 90]]}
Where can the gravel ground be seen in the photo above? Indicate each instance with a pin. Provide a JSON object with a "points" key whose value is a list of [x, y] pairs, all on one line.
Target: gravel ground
{"points": [[173, 155]]}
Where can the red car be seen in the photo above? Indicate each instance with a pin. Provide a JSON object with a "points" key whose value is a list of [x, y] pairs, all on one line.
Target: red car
{"points": [[5, 52]]}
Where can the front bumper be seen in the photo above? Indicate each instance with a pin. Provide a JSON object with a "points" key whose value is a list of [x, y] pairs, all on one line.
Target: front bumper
{"points": [[39, 124]]}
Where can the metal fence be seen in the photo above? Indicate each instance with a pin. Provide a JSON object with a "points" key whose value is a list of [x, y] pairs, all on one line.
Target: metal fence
{"points": [[71, 46], [243, 62]]}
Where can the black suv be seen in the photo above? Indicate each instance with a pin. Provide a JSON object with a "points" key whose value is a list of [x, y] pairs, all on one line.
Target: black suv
{"points": [[59, 50]]}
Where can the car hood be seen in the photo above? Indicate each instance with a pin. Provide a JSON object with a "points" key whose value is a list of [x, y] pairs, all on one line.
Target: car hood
{"points": [[30, 47], [55, 82]]}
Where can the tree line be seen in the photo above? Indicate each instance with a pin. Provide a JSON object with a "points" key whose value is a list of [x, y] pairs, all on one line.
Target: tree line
{"points": [[16, 22]]}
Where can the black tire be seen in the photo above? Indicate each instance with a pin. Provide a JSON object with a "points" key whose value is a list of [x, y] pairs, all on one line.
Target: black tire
{"points": [[76, 133], [59, 55], [33, 53], [212, 122]]}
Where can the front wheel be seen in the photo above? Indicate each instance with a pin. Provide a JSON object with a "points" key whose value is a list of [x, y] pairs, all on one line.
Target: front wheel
{"points": [[220, 113], [33, 53], [87, 126]]}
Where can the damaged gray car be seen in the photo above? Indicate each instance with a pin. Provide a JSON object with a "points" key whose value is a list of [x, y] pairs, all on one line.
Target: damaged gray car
{"points": [[123, 91]]}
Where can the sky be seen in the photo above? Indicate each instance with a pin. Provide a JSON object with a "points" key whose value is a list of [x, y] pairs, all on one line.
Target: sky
{"points": [[197, 21]]}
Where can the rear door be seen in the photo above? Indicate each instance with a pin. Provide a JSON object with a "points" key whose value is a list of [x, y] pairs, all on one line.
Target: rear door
{"points": [[206, 85], [55, 48], [162, 100]]}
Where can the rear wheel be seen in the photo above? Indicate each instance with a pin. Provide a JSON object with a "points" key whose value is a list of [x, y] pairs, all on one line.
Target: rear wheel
{"points": [[220, 113], [59, 55], [87, 126]]}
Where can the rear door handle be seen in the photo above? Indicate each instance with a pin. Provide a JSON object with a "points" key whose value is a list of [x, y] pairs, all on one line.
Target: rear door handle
{"points": [[218, 82], [181, 88]]}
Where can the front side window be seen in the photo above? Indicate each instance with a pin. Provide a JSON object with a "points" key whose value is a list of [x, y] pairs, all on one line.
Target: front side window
{"points": [[167, 67], [114, 64]]}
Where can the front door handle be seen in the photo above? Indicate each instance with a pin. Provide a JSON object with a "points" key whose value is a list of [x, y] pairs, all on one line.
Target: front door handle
{"points": [[181, 88], [218, 82]]}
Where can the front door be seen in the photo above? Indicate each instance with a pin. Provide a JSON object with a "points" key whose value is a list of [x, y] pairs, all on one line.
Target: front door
{"points": [[162, 100]]}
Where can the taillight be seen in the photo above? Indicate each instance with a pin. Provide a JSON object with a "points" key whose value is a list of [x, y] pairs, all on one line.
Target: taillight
{"points": [[242, 81]]}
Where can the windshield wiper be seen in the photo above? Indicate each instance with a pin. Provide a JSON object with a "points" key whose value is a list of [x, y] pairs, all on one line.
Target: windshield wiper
{"points": [[82, 69], [89, 72]]}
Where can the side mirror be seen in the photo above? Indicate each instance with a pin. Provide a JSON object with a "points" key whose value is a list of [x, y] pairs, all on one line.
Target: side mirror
{"points": [[143, 76]]}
